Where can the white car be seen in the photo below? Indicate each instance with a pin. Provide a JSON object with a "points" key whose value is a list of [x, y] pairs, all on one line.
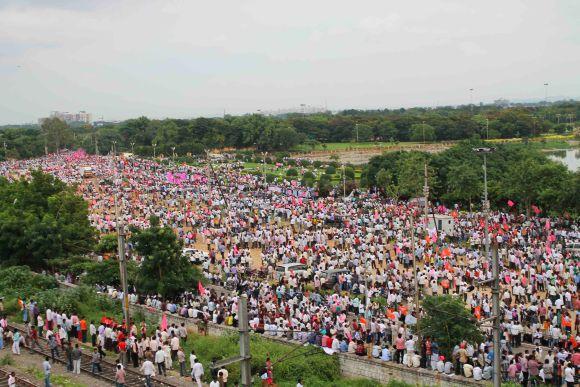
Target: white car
{"points": [[285, 269], [195, 256]]}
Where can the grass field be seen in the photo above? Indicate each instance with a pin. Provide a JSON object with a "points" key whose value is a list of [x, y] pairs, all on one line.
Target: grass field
{"points": [[338, 146]]}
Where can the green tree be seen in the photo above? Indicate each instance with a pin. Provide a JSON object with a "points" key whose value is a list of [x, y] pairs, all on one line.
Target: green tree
{"points": [[387, 184], [41, 220], [164, 270], [448, 322], [56, 132], [412, 174], [422, 132]]}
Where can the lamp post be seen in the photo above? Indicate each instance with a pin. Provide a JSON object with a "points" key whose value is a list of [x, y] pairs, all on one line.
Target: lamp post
{"points": [[471, 99], [173, 153], [356, 127], [264, 154], [495, 270], [114, 147], [546, 92], [343, 182], [154, 146], [132, 146]]}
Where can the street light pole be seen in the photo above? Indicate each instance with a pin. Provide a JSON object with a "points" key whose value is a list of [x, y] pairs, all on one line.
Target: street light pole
{"points": [[471, 99], [154, 146], [495, 271], [546, 93], [173, 153], [132, 146], [343, 182]]}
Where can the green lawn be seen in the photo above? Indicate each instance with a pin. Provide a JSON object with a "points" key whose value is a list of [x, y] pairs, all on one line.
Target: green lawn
{"points": [[332, 146]]}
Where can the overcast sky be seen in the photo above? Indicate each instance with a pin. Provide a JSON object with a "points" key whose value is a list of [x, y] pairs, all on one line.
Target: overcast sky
{"points": [[120, 59]]}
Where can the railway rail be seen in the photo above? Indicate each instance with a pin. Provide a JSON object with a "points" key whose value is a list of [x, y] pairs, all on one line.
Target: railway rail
{"points": [[20, 381], [132, 378]]}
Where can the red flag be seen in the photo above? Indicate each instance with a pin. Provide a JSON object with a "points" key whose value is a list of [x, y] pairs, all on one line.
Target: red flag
{"points": [[510, 203], [536, 210], [200, 288]]}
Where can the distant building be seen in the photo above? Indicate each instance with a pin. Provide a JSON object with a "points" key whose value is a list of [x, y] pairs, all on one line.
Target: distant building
{"points": [[81, 117]]}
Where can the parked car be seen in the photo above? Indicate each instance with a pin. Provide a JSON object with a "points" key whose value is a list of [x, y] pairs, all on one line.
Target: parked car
{"points": [[195, 256], [287, 268], [331, 276]]}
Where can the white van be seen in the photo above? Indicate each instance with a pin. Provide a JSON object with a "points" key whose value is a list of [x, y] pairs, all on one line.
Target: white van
{"points": [[285, 269]]}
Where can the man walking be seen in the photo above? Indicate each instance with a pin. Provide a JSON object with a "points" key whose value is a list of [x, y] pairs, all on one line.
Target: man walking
{"points": [[148, 370], [160, 361], [76, 358], [197, 372], [96, 361], [46, 368]]}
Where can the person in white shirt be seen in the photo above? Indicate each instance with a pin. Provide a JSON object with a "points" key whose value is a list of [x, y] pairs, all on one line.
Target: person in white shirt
{"points": [[160, 361], [197, 372], [569, 375], [214, 383], [148, 370], [477, 373], [192, 358], [12, 380]]}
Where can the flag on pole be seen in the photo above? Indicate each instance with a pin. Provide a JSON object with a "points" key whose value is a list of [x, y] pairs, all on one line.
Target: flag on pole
{"points": [[510, 203], [200, 288]]}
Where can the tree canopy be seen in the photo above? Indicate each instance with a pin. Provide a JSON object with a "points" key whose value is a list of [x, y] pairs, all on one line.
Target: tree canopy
{"points": [[271, 133], [164, 270], [42, 219], [447, 322], [517, 172]]}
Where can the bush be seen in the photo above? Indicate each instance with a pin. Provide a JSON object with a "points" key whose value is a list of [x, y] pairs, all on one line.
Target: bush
{"points": [[20, 281], [308, 175], [317, 163], [349, 173], [271, 177], [331, 170], [292, 172]]}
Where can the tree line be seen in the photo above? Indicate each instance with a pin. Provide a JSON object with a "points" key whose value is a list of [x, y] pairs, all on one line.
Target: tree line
{"points": [[183, 136], [520, 173]]}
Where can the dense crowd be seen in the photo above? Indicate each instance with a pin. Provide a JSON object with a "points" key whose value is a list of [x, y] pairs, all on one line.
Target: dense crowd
{"points": [[354, 291]]}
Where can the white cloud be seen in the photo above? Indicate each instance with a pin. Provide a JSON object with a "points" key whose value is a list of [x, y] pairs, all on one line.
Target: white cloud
{"points": [[183, 58]]}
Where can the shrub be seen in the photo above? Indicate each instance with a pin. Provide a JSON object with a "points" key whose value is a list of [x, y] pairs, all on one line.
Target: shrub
{"points": [[308, 175], [292, 172], [20, 281], [331, 170], [317, 163]]}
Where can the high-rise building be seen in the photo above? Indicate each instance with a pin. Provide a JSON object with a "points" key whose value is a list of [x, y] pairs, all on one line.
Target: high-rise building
{"points": [[69, 118]]}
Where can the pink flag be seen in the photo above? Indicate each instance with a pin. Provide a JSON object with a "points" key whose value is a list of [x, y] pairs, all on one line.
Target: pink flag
{"points": [[536, 210], [547, 224], [510, 203], [164, 322], [200, 288]]}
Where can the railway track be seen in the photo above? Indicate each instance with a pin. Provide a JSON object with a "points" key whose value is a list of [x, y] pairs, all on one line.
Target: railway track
{"points": [[132, 378], [20, 381]]}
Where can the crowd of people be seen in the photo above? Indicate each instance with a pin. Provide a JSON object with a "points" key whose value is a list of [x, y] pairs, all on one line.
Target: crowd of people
{"points": [[354, 291]]}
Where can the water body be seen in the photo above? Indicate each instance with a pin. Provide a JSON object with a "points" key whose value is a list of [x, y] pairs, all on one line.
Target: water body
{"points": [[569, 157]]}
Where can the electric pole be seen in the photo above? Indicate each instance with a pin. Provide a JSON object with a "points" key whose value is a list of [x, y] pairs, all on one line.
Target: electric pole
{"points": [[244, 357], [426, 195], [343, 182], [495, 270], [123, 271], [245, 367]]}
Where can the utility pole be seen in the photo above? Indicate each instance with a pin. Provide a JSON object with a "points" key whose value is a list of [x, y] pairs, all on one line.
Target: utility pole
{"points": [[123, 271], [471, 99], [415, 266], [264, 167], [487, 128], [121, 245], [244, 358], [154, 146], [495, 271], [343, 182], [426, 195], [496, 318], [245, 368], [356, 127], [96, 144], [546, 93]]}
